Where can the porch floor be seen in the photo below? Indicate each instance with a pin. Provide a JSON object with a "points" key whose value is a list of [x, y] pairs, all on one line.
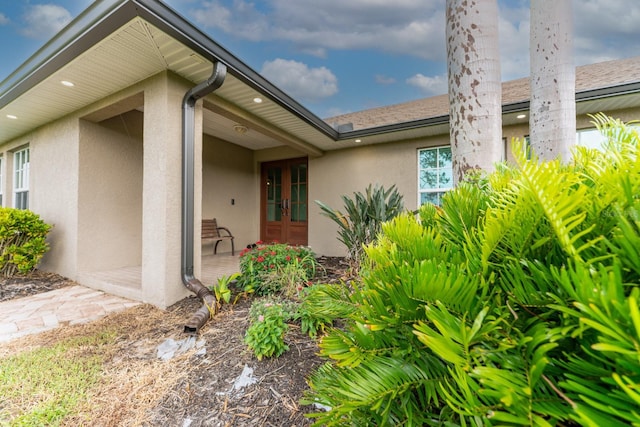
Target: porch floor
{"points": [[127, 282]]}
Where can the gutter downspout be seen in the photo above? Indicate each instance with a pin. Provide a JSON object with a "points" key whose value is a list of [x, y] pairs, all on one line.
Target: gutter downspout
{"points": [[188, 151]]}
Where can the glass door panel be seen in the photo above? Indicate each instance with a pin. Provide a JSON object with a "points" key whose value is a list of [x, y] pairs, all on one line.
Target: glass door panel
{"points": [[298, 192], [274, 194]]}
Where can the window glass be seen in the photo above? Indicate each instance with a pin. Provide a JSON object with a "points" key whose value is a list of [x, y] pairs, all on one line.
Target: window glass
{"points": [[274, 194], [21, 179], [435, 174], [590, 138], [298, 206]]}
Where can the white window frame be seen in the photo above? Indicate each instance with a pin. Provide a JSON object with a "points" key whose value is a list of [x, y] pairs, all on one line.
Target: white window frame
{"points": [[439, 190], [21, 159]]}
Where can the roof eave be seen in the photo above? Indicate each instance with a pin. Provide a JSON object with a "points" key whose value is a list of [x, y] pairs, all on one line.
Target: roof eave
{"points": [[105, 16], [513, 107]]}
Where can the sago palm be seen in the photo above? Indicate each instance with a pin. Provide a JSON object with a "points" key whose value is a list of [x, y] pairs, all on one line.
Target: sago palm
{"points": [[514, 303]]}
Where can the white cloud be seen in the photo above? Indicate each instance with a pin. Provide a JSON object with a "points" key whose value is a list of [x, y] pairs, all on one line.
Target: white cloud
{"points": [[436, 85], [384, 80], [242, 19], [403, 26], [605, 30], [300, 81], [514, 40], [42, 21], [3, 19]]}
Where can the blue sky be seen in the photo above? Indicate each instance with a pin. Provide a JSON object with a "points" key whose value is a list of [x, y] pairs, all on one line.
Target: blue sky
{"points": [[340, 56]]}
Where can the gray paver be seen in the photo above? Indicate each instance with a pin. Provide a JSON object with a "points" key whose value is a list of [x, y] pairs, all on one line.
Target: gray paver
{"points": [[70, 305]]}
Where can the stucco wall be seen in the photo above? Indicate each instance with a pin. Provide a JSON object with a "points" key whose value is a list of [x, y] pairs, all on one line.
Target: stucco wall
{"points": [[626, 115], [228, 173], [162, 190], [345, 172], [110, 194], [53, 190]]}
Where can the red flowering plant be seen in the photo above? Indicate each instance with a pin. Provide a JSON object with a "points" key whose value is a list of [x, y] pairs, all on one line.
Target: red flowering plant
{"points": [[276, 268]]}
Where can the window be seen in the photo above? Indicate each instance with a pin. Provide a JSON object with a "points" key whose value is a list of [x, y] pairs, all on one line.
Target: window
{"points": [[591, 138], [21, 179], [435, 174], [526, 146], [504, 150]]}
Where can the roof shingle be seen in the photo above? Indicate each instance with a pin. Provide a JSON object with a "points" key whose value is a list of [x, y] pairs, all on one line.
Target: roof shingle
{"points": [[588, 77]]}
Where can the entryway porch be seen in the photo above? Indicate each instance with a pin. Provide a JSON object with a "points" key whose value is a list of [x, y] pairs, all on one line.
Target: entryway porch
{"points": [[127, 281]]}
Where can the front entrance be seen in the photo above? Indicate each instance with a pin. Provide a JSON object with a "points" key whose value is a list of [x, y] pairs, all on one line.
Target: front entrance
{"points": [[283, 201]]}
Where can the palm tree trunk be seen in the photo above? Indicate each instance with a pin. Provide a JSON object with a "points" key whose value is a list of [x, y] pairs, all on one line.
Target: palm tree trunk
{"points": [[552, 119], [475, 91]]}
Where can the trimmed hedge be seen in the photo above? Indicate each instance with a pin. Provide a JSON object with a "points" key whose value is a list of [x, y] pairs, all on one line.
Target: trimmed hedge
{"points": [[22, 241]]}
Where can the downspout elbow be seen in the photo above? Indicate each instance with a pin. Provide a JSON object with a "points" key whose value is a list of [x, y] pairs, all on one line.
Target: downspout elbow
{"points": [[188, 152]]}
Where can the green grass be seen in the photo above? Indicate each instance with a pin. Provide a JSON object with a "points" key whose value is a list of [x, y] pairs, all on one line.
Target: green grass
{"points": [[42, 386]]}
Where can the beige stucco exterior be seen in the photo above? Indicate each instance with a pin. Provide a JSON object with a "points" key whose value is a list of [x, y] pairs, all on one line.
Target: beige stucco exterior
{"points": [[230, 191], [106, 154], [108, 177], [54, 163], [347, 171], [112, 190]]}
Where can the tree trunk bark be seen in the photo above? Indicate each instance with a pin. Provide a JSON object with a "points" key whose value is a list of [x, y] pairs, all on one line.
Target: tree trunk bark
{"points": [[552, 119], [475, 90]]}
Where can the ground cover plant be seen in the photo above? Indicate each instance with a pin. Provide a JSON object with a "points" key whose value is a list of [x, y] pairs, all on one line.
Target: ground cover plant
{"points": [[278, 274], [135, 387], [515, 303]]}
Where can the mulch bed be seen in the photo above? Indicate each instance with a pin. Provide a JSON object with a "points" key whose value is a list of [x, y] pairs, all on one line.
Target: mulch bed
{"points": [[196, 388], [32, 283]]}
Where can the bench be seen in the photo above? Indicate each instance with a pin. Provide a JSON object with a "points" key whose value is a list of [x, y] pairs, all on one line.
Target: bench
{"points": [[211, 231]]}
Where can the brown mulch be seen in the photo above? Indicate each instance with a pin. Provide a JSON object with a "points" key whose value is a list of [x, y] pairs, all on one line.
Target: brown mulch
{"points": [[195, 388], [35, 282]]}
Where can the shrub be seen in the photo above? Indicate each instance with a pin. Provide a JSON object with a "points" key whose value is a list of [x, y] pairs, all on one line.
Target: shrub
{"points": [[363, 217], [276, 267], [265, 335], [516, 303], [22, 240]]}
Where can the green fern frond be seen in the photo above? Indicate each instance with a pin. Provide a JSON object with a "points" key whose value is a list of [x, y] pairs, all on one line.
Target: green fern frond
{"points": [[560, 196], [375, 388]]}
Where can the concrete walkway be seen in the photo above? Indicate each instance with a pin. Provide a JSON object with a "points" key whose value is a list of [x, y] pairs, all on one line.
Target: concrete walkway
{"points": [[66, 306]]}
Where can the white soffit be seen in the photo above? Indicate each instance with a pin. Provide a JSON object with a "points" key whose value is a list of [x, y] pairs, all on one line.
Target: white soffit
{"points": [[124, 58], [134, 52]]}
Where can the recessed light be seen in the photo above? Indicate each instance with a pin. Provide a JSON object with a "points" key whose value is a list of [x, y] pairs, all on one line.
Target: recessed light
{"points": [[240, 129], [358, 140], [257, 100], [67, 83], [11, 116], [521, 116]]}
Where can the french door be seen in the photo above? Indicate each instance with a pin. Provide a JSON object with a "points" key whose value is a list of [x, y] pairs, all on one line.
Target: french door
{"points": [[284, 201]]}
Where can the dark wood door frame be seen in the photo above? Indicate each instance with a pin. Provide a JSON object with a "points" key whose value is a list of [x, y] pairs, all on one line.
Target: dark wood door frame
{"points": [[284, 201]]}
